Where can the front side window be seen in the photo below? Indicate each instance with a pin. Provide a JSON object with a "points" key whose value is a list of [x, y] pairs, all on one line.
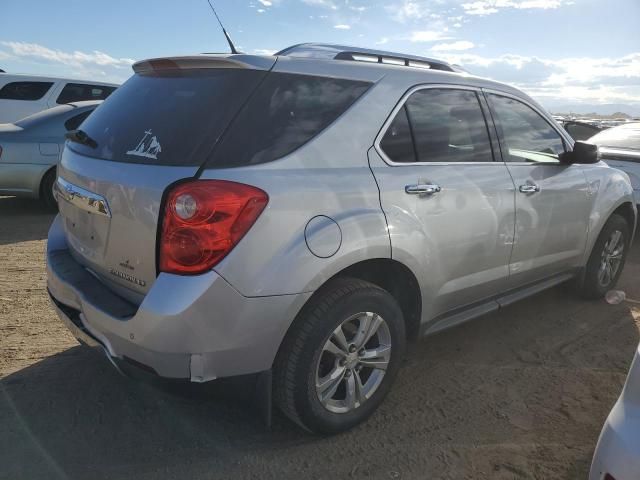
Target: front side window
{"points": [[78, 92], [24, 90], [525, 134], [439, 125]]}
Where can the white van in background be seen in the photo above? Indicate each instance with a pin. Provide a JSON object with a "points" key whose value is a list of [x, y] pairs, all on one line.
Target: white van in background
{"points": [[22, 95]]}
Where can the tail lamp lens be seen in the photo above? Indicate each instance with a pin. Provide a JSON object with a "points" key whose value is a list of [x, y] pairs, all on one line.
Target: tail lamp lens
{"points": [[203, 221]]}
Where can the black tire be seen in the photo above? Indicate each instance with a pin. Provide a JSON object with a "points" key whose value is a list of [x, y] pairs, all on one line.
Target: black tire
{"points": [[301, 352], [46, 190], [593, 287]]}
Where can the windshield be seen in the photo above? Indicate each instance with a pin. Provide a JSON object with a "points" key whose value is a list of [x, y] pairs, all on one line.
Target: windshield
{"points": [[624, 136]]}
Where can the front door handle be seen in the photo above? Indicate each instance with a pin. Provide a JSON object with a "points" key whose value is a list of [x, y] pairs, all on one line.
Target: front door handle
{"points": [[422, 189], [529, 188]]}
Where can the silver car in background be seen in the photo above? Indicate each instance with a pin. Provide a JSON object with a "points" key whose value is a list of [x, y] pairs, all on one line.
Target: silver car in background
{"points": [[617, 455], [31, 148], [307, 213], [619, 147]]}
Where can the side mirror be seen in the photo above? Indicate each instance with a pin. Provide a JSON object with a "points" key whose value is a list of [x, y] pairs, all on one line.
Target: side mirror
{"points": [[584, 153]]}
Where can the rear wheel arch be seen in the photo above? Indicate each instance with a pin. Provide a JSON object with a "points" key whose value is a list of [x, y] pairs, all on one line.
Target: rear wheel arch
{"points": [[390, 275], [627, 212]]}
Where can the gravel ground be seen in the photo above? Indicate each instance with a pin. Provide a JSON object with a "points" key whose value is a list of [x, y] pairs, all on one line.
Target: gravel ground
{"points": [[519, 394]]}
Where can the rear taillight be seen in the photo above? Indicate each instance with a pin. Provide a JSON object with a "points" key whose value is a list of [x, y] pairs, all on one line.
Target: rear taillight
{"points": [[203, 220]]}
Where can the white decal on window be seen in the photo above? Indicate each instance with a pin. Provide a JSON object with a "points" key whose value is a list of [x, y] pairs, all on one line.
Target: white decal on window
{"points": [[148, 147]]}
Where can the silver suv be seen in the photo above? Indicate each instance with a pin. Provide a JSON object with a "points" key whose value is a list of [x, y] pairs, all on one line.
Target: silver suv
{"points": [[307, 213]]}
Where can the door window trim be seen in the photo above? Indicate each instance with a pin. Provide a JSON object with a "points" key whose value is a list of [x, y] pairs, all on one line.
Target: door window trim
{"points": [[438, 86], [566, 138]]}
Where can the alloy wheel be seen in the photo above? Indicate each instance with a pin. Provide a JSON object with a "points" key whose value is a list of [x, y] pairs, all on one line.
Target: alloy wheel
{"points": [[611, 258], [353, 362]]}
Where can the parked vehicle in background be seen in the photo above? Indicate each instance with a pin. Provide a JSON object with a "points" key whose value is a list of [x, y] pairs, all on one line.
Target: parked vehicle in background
{"points": [[620, 148], [307, 213], [580, 130], [617, 455], [23, 95], [31, 148]]}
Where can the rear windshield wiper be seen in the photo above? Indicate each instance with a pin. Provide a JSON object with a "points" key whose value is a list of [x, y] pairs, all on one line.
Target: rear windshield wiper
{"points": [[81, 137]]}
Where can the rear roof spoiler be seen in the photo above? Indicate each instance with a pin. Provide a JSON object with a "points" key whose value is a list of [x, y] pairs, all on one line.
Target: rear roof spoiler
{"points": [[252, 62]]}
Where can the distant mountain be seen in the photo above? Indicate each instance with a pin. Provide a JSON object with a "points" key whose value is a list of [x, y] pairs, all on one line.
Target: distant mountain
{"points": [[600, 109]]}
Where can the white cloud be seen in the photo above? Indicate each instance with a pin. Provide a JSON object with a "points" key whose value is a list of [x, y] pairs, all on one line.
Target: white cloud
{"points": [[460, 45], [264, 51], [342, 26], [580, 80], [321, 3], [95, 65], [266, 3], [261, 10], [75, 58], [487, 7], [408, 10], [383, 41], [428, 36]]}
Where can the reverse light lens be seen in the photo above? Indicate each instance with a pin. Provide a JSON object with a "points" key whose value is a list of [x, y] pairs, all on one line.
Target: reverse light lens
{"points": [[203, 221], [186, 206]]}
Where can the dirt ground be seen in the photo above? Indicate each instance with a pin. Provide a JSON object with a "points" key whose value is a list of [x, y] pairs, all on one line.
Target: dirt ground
{"points": [[519, 394]]}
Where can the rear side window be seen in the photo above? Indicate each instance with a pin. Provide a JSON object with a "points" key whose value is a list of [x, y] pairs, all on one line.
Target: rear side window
{"points": [[443, 125], [74, 122], [24, 90], [171, 117], [77, 92], [285, 112], [527, 136], [397, 143]]}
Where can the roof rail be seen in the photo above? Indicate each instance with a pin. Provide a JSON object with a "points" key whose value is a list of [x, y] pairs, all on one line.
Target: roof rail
{"points": [[357, 54]]}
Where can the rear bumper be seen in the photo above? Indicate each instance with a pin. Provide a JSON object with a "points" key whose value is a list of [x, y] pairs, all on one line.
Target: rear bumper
{"points": [[190, 327]]}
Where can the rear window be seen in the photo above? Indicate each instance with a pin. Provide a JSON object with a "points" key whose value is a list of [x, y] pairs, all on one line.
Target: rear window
{"points": [[171, 117], [78, 92], [24, 90], [285, 112]]}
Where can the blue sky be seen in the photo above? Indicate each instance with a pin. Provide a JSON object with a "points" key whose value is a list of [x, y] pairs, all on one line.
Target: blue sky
{"points": [[560, 51]]}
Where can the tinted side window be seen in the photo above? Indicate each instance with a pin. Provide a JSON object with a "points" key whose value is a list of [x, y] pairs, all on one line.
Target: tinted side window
{"points": [[74, 122], [286, 111], [449, 126], [24, 90], [580, 131], [77, 92], [397, 142], [527, 136]]}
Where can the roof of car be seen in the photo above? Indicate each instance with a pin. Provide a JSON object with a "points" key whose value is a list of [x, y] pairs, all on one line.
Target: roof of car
{"points": [[21, 77], [623, 136], [437, 71], [329, 51]]}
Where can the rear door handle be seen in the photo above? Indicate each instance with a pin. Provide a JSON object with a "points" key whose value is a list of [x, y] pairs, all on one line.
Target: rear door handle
{"points": [[422, 189], [529, 188]]}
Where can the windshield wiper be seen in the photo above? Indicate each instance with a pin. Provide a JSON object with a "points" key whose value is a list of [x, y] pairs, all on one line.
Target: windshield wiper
{"points": [[79, 136]]}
